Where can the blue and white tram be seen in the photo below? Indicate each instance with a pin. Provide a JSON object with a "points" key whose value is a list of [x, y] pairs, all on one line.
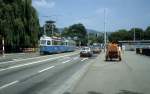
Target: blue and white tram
{"points": [[50, 45]]}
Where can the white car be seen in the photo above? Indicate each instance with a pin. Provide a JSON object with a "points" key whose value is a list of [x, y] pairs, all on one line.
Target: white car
{"points": [[86, 51]]}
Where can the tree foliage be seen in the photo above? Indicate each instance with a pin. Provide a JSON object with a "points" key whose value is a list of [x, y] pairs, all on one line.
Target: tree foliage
{"points": [[147, 33], [77, 32], [123, 34], [19, 24]]}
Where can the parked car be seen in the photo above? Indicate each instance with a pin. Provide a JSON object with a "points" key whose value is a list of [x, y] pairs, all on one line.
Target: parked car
{"points": [[86, 51]]}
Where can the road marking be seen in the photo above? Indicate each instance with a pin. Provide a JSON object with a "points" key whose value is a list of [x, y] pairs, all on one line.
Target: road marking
{"points": [[30, 59], [46, 69], [16, 59], [84, 59], [9, 84], [76, 58], [27, 64], [66, 61]]}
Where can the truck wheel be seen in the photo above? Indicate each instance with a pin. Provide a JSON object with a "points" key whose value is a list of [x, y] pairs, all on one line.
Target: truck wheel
{"points": [[106, 58], [90, 55], [119, 58]]}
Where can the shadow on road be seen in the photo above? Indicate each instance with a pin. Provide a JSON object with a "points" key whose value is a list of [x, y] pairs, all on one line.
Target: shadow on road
{"points": [[121, 92], [93, 92], [113, 60], [128, 92]]}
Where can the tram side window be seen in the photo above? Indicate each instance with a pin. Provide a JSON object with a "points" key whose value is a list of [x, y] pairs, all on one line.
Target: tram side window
{"points": [[48, 42], [57, 43], [65, 43]]}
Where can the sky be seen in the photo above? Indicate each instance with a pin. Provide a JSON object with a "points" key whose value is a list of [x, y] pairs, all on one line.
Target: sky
{"points": [[119, 14]]}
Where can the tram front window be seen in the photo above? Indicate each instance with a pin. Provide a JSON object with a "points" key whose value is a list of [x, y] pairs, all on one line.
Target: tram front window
{"points": [[43, 42]]}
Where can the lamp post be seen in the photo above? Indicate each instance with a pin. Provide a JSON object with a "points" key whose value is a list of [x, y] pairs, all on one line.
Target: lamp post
{"points": [[3, 51], [88, 39], [105, 30], [134, 34]]}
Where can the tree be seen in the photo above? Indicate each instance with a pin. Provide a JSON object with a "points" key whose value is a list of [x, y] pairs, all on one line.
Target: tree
{"points": [[139, 33], [147, 33], [19, 24], [121, 34], [78, 31]]}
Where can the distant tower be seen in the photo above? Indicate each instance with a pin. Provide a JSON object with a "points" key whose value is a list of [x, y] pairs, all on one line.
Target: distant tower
{"points": [[49, 27]]}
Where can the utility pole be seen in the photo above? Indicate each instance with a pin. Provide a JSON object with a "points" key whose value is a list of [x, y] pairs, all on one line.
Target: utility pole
{"points": [[105, 30], [134, 34], [88, 38], [3, 52]]}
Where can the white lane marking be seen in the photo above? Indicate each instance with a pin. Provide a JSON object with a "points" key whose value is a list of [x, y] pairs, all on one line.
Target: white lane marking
{"points": [[9, 84], [46, 69], [66, 61], [27, 64], [76, 58], [84, 59], [16, 59], [29, 59]]}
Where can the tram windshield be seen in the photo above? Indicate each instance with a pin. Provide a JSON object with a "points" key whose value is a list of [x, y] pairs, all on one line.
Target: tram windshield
{"points": [[43, 42]]}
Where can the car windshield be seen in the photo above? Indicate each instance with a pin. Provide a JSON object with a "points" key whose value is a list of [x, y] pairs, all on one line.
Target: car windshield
{"points": [[85, 48]]}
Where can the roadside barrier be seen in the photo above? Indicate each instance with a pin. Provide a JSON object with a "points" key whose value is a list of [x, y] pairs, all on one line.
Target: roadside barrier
{"points": [[29, 50], [143, 51]]}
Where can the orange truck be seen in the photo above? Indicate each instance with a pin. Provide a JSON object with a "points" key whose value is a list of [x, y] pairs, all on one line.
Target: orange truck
{"points": [[113, 52]]}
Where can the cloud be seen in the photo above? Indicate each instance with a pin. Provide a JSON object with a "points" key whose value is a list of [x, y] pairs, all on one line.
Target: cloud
{"points": [[43, 4]]}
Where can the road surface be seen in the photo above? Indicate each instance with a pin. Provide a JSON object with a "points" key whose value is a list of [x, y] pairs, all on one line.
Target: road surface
{"points": [[46, 74], [38, 75], [130, 76]]}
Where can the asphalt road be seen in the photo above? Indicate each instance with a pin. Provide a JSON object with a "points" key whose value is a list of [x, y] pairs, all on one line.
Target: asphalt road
{"points": [[39, 75], [130, 76], [46, 74]]}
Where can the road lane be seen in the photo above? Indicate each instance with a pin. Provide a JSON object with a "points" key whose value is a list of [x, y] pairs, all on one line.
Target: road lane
{"points": [[42, 74], [31, 63], [46, 69], [9, 84], [31, 59], [29, 70]]}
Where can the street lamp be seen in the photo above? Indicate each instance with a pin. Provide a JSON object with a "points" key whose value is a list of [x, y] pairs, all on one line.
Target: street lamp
{"points": [[105, 30], [3, 51], [134, 34]]}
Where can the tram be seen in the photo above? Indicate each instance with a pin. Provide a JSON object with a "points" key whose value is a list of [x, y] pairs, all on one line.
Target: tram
{"points": [[50, 45]]}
